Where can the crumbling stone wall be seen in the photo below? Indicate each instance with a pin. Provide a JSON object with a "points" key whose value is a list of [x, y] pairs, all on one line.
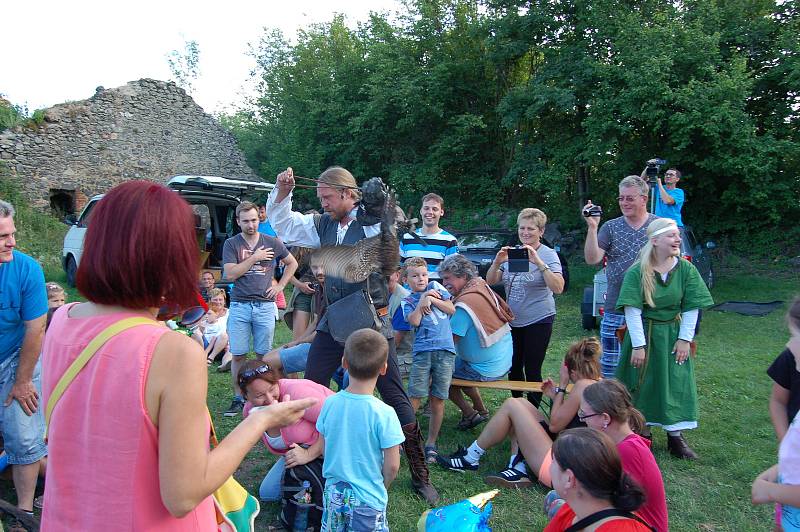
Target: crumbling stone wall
{"points": [[147, 129]]}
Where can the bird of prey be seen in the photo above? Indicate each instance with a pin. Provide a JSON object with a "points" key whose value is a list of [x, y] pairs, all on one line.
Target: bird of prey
{"points": [[379, 253]]}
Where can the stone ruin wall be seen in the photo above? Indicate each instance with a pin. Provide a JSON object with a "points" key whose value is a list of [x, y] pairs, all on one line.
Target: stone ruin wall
{"points": [[147, 129]]}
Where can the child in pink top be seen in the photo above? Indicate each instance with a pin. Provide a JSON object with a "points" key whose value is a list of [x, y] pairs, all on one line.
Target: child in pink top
{"points": [[295, 444]]}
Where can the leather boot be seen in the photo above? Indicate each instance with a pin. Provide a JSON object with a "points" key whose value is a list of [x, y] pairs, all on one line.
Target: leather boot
{"points": [[415, 453], [678, 447]]}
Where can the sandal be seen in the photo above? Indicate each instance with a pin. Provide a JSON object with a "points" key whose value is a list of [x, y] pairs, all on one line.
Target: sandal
{"points": [[472, 421], [430, 454]]}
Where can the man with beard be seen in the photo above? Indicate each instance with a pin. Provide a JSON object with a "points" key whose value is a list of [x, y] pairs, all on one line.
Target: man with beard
{"points": [[339, 196]]}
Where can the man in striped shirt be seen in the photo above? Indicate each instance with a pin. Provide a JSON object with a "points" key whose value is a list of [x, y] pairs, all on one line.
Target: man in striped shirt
{"points": [[439, 242]]}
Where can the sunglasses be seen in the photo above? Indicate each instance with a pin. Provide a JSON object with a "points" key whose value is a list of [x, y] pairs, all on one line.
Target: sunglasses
{"points": [[248, 376]]}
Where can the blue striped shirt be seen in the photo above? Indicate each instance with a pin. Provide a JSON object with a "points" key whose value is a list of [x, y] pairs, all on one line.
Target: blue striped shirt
{"points": [[439, 246]]}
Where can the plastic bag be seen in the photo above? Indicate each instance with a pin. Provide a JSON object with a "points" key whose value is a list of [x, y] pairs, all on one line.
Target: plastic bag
{"points": [[469, 515]]}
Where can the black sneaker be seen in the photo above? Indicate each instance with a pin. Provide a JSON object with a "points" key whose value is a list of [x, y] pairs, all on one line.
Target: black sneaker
{"points": [[456, 461], [235, 409], [509, 478]]}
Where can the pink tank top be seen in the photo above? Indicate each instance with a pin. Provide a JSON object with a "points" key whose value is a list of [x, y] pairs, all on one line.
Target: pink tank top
{"points": [[102, 469]]}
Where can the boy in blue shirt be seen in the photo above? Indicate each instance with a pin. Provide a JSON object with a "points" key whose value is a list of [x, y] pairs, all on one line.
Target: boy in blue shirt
{"points": [[428, 309], [361, 436]]}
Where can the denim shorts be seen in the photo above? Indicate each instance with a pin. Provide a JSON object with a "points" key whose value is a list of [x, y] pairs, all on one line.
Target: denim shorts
{"points": [[434, 367], [251, 319], [293, 359], [464, 371], [343, 511], [23, 434]]}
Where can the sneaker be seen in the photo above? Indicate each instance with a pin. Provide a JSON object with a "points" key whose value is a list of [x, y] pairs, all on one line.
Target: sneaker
{"points": [[472, 421], [456, 461], [235, 409], [509, 478], [430, 454]]}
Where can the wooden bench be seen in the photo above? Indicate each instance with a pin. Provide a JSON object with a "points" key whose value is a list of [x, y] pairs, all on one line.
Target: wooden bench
{"points": [[518, 386]]}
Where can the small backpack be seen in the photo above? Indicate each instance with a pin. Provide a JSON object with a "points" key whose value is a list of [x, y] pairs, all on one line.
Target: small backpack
{"points": [[292, 485]]}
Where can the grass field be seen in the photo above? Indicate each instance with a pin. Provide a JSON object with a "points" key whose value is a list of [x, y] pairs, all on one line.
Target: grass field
{"points": [[735, 438]]}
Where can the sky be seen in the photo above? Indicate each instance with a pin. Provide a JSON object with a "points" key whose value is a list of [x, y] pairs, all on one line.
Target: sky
{"points": [[57, 51]]}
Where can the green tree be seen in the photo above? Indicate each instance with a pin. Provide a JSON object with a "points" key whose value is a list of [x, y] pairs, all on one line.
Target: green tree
{"points": [[185, 65]]}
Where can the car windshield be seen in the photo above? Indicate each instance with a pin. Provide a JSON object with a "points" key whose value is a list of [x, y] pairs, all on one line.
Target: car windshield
{"points": [[482, 241]]}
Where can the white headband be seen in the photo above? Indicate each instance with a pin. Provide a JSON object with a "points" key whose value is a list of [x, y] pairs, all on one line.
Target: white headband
{"points": [[670, 227]]}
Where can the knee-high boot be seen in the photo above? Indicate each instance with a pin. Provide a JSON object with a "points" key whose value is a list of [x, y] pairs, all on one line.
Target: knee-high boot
{"points": [[415, 453]]}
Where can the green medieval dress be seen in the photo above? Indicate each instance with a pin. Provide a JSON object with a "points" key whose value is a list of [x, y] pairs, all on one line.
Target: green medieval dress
{"points": [[662, 390]]}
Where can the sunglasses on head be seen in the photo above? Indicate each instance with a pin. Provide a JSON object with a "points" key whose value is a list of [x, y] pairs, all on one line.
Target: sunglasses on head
{"points": [[247, 377]]}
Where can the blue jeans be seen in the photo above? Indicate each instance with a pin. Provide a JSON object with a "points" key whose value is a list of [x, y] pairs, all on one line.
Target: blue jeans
{"points": [[248, 319], [431, 372], [293, 359], [463, 370], [344, 512], [609, 360], [270, 489], [23, 434]]}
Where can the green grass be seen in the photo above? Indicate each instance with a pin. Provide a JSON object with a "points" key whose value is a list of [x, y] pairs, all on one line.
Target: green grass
{"points": [[734, 439]]}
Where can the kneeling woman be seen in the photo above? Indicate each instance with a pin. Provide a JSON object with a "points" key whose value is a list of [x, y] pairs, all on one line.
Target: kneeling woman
{"points": [[296, 444], [531, 434]]}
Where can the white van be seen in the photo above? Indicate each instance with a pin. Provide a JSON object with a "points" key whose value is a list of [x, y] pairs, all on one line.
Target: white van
{"points": [[214, 201]]}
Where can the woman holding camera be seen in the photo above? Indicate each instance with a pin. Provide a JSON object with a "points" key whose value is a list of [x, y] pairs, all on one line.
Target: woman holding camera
{"points": [[530, 295]]}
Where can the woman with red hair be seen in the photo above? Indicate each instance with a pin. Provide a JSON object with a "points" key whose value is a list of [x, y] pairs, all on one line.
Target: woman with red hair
{"points": [[128, 439]]}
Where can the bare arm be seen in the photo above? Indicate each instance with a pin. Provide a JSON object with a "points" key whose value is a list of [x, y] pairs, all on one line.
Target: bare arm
{"points": [[445, 305], [415, 318], [665, 197], [565, 408], [297, 455], [289, 267], [592, 251], [391, 465], [494, 275], [175, 393], [778, 400], [766, 489], [23, 391]]}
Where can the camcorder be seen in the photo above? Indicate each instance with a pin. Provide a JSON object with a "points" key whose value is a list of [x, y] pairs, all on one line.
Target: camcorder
{"points": [[594, 210], [654, 166]]}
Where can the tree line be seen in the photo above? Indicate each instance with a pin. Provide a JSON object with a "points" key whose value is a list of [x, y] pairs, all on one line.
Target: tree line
{"points": [[546, 103]]}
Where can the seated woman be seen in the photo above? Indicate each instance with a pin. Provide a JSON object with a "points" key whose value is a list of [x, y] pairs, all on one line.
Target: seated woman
{"points": [[481, 333], [531, 434], [296, 444], [606, 406], [215, 328], [587, 473]]}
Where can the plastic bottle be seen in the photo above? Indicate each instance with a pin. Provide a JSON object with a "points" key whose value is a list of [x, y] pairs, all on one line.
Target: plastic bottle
{"points": [[303, 499]]}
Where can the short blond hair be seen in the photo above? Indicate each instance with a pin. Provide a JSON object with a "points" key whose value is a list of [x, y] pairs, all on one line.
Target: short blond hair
{"points": [[536, 216], [414, 262]]}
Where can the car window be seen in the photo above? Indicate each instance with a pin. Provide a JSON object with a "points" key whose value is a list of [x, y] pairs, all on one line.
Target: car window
{"points": [[86, 215], [482, 241]]}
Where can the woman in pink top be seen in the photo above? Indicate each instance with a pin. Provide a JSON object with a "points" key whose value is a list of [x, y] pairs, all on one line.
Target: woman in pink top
{"points": [[606, 406], [296, 444], [129, 438]]}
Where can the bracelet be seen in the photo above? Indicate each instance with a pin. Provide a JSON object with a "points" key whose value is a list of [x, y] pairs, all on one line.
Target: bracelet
{"points": [[641, 347]]}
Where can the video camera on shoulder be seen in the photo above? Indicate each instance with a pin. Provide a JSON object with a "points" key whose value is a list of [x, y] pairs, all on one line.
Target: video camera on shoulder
{"points": [[518, 259]]}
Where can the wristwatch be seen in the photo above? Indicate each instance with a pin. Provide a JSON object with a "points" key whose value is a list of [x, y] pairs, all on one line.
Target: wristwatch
{"points": [[544, 268], [558, 389]]}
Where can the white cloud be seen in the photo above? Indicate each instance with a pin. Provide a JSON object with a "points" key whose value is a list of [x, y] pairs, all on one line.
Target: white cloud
{"points": [[55, 51]]}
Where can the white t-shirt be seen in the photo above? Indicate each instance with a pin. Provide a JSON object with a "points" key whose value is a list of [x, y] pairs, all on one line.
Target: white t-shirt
{"points": [[220, 326]]}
